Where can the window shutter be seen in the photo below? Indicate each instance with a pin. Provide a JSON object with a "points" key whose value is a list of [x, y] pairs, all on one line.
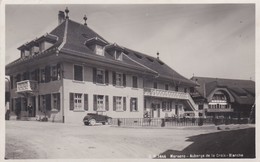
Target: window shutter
{"points": [[47, 74], [114, 103], [39, 102], [36, 74], [94, 75], [107, 104], [58, 72], [124, 103], [95, 103], [71, 101], [12, 105], [48, 102], [86, 102], [58, 101], [11, 81], [136, 104], [124, 80], [114, 78], [27, 75], [106, 77], [131, 104]]}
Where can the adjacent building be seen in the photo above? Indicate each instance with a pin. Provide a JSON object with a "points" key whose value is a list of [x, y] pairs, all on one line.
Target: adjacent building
{"points": [[217, 97], [72, 71]]}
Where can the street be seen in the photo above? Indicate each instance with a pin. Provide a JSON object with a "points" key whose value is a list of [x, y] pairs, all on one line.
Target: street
{"points": [[46, 140]]}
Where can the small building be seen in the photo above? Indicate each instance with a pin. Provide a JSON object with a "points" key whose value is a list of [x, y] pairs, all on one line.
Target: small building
{"points": [[72, 71], [217, 97]]}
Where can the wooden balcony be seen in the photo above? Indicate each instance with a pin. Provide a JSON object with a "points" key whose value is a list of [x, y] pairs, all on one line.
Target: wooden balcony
{"points": [[220, 110], [170, 94], [165, 93], [27, 86]]}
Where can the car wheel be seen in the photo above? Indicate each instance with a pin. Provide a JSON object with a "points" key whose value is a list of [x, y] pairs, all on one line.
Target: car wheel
{"points": [[92, 122], [103, 123], [86, 123]]}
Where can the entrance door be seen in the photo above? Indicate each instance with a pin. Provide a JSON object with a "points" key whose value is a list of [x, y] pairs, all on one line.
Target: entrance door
{"points": [[156, 110], [176, 110]]}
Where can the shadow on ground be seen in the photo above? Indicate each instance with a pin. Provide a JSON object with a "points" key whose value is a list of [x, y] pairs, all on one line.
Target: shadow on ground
{"points": [[224, 144]]}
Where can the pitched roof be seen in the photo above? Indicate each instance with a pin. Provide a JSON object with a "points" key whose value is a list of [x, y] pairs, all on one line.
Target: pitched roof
{"points": [[72, 37], [242, 90]]}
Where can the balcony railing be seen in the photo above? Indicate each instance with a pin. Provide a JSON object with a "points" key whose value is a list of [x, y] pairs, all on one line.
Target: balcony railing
{"points": [[165, 93], [27, 86], [170, 94], [220, 110]]}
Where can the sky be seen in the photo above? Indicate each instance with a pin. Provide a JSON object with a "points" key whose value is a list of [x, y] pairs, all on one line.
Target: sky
{"points": [[207, 40]]}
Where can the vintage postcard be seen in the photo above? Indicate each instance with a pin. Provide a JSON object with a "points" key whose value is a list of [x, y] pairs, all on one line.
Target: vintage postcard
{"points": [[131, 81]]}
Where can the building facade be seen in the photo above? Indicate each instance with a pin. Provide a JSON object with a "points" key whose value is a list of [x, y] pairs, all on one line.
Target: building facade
{"points": [[72, 71], [217, 97]]}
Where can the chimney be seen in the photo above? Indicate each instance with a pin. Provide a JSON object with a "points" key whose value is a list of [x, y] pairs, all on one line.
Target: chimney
{"points": [[157, 55], [61, 17]]}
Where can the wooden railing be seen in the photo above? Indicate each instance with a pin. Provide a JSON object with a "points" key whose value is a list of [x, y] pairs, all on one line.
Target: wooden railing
{"points": [[27, 86], [170, 94]]}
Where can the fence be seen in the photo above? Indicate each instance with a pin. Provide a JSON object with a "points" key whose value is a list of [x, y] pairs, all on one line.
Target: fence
{"points": [[172, 122]]}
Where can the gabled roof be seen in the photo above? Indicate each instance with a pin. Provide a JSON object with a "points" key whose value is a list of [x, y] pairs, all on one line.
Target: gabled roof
{"points": [[242, 90], [72, 36]]}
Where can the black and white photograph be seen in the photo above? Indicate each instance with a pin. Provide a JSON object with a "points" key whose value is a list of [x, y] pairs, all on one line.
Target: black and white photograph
{"points": [[147, 81]]}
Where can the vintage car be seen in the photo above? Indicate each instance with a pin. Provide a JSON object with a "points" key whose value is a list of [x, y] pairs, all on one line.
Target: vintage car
{"points": [[92, 119]]}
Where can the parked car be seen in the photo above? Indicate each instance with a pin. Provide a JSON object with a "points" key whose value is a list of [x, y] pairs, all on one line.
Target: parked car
{"points": [[92, 119]]}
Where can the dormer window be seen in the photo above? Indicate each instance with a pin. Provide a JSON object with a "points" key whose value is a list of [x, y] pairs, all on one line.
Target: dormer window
{"points": [[34, 50], [38, 45], [99, 50], [115, 51], [96, 45], [44, 46], [118, 56]]}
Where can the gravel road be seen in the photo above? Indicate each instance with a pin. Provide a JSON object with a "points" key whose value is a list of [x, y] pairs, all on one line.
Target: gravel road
{"points": [[46, 140]]}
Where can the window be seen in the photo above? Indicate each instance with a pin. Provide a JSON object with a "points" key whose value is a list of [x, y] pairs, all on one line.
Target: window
{"points": [[42, 75], [177, 88], [26, 75], [133, 104], [191, 89], [135, 85], [54, 73], [119, 79], [33, 75], [26, 53], [78, 73], [155, 85], [99, 50], [43, 103], [56, 101], [100, 76], [101, 103], [77, 103], [166, 87], [119, 103], [166, 105], [118, 56], [44, 46]]}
